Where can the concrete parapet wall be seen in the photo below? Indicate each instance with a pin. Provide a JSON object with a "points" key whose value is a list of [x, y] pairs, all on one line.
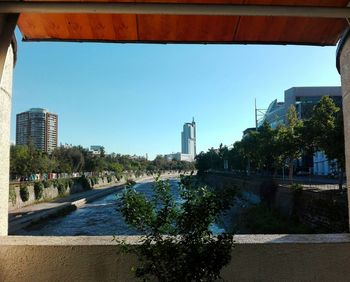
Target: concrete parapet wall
{"points": [[254, 258]]}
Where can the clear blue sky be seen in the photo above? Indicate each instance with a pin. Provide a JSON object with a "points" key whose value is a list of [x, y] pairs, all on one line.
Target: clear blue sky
{"points": [[134, 99]]}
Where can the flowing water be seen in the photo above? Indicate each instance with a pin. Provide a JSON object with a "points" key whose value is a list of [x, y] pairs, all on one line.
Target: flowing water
{"points": [[98, 218]]}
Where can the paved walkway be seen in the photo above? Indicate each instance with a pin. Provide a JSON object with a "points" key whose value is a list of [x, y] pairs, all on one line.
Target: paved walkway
{"points": [[25, 216]]}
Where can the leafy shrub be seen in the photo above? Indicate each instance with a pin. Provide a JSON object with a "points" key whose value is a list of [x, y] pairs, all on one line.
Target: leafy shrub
{"points": [[109, 178], [70, 182], [61, 188], [65, 183], [55, 182], [12, 195], [92, 181], [84, 182], [296, 187], [259, 219], [130, 182], [191, 253], [46, 183], [24, 193], [95, 180], [38, 190], [138, 173]]}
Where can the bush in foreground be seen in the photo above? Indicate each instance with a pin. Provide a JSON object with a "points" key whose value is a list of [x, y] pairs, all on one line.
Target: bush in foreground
{"points": [[191, 253]]}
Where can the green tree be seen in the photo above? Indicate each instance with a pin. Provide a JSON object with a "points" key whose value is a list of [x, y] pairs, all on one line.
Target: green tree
{"points": [[117, 170], [266, 149], [69, 159], [191, 253], [19, 162], [248, 148], [236, 158], [325, 131], [289, 140]]}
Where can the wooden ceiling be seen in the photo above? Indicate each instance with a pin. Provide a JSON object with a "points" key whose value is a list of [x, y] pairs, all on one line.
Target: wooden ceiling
{"points": [[187, 28]]}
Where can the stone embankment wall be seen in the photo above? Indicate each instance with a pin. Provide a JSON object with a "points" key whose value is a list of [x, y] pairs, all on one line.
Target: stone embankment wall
{"points": [[50, 193], [326, 211]]}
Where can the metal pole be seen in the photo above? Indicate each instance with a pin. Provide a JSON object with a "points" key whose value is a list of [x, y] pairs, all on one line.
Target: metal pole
{"points": [[173, 9], [256, 116]]}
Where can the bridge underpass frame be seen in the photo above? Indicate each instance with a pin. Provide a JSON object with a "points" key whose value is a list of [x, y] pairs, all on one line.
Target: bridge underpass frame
{"points": [[9, 14]]}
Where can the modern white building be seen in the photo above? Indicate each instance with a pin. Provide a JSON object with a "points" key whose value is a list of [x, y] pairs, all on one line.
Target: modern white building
{"points": [[304, 99], [322, 166], [179, 157], [96, 149], [188, 139]]}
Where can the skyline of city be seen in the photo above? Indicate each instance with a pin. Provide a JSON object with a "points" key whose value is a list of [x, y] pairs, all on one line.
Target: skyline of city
{"points": [[152, 89]]}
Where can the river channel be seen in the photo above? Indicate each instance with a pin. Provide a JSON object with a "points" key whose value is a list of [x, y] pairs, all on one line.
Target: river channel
{"points": [[98, 218]]}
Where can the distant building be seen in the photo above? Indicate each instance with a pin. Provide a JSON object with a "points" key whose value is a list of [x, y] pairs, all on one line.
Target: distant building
{"points": [[39, 127], [188, 144], [188, 139], [96, 149], [304, 99], [248, 131], [179, 157]]}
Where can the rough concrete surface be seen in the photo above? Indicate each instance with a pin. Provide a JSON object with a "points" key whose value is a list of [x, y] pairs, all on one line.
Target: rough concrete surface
{"points": [[5, 113], [345, 83], [254, 258]]}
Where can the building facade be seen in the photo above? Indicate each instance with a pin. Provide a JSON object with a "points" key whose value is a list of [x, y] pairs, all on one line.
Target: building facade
{"points": [[179, 157], [304, 99], [39, 127], [188, 139], [97, 149]]}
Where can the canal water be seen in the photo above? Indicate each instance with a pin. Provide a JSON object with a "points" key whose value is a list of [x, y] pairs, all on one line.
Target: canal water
{"points": [[98, 218]]}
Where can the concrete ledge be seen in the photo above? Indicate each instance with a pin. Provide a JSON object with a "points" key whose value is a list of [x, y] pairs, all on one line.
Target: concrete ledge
{"points": [[281, 239], [322, 257]]}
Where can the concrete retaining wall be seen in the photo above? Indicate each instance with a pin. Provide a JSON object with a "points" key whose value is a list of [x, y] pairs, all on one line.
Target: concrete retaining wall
{"points": [[326, 211], [51, 192], [254, 258]]}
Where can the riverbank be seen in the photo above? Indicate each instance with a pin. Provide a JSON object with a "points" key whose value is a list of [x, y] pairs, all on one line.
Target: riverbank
{"points": [[26, 216], [268, 205]]}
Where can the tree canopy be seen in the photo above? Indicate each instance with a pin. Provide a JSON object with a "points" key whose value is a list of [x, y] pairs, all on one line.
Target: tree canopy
{"points": [[26, 160], [267, 150]]}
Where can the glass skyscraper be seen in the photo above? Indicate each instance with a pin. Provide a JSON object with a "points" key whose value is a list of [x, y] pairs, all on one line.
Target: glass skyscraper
{"points": [[188, 139]]}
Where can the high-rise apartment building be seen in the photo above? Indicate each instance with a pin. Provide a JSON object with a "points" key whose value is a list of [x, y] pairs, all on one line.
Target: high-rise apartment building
{"points": [[39, 127], [188, 139]]}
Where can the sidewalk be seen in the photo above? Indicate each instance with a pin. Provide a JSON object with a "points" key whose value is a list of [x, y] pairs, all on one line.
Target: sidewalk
{"points": [[23, 217]]}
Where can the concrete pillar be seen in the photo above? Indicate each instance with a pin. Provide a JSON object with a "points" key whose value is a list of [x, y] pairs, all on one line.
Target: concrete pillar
{"points": [[5, 112], [343, 64], [7, 57]]}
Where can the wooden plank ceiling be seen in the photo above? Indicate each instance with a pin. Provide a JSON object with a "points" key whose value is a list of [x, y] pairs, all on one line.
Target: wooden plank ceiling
{"points": [[187, 29]]}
